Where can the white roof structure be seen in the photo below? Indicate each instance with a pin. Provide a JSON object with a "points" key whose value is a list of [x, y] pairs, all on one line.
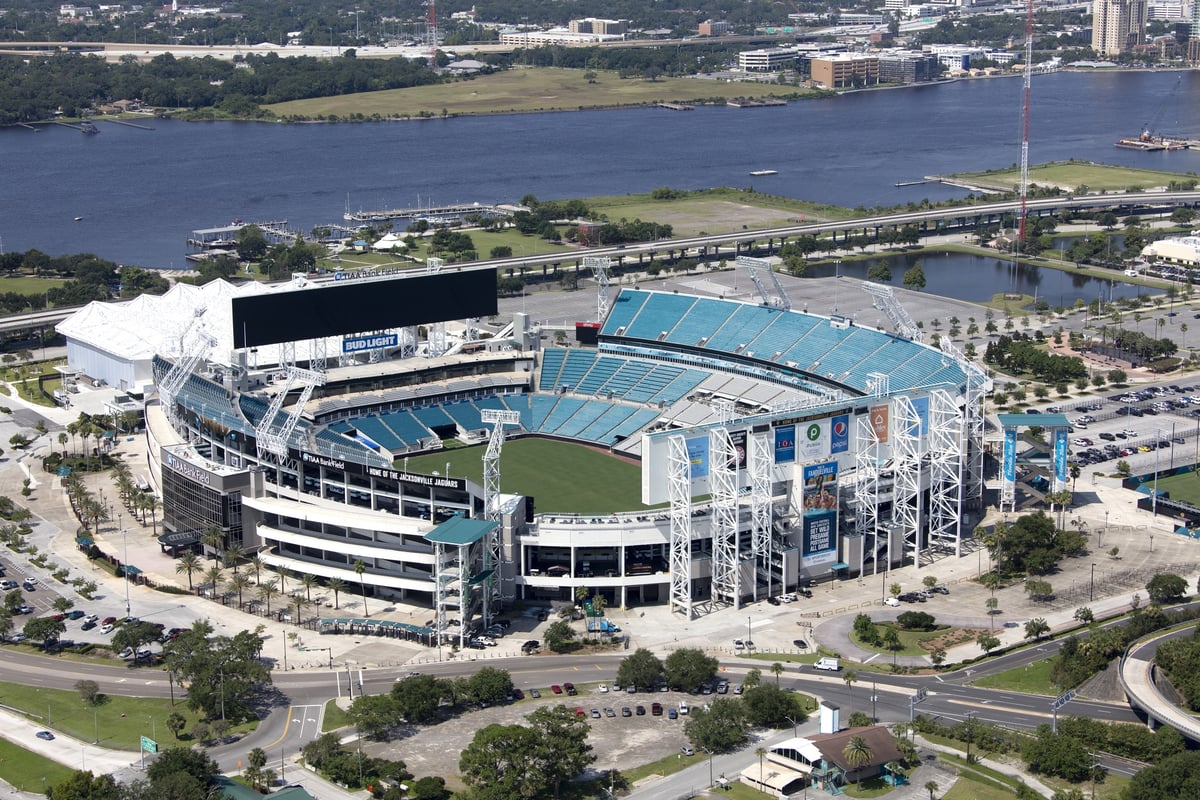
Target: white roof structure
{"points": [[137, 329], [1181, 250], [387, 242]]}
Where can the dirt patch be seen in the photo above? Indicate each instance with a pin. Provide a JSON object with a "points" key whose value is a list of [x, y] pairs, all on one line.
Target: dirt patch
{"points": [[949, 639], [617, 741], [1105, 684]]}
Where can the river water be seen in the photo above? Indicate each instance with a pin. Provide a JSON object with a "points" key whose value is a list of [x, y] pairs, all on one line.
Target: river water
{"points": [[140, 192]]}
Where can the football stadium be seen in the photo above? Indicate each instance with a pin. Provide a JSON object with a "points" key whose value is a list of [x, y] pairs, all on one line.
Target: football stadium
{"points": [[395, 433]]}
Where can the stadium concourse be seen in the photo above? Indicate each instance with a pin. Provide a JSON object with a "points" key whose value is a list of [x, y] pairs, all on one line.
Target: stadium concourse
{"points": [[823, 447]]}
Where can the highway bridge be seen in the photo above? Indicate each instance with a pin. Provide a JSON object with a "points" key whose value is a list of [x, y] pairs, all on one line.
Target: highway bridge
{"points": [[1137, 679]]}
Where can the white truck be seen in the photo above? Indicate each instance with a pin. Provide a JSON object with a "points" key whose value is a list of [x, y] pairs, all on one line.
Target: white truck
{"points": [[830, 664]]}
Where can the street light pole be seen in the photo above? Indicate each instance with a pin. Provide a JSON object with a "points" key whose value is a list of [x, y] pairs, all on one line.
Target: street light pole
{"points": [[125, 569], [1154, 496], [1092, 589]]}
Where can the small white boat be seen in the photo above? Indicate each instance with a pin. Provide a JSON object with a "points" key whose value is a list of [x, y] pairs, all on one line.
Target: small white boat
{"points": [[79, 219], [758, 172]]}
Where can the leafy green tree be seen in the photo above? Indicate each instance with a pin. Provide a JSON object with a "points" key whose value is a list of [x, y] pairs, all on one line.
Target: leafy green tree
{"points": [[771, 706], [429, 788], [721, 728], [560, 636], [1053, 754], [1036, 628], [490, 685], [502, 763], [916, 621], [135, 635], [688, 668], [563, 752], [176, 722], [224, 675], [986, 641], [880, 272], [89, 691], [44, 629], [417, 698], [642, 669], [183, 760], [374, 715], [914, 277], [1166, 588], [83, 785]]}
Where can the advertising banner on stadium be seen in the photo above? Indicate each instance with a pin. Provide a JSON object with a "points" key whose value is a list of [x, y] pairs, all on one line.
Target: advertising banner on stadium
{"points": [[921, 406], [879, 422], [819, 545], [697, 453], [739, 449], [812, 441], [839, 434], [1060, 455], [1010, 454], [785, 444]]}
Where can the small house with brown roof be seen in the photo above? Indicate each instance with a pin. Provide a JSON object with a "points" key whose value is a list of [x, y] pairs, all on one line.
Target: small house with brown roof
{"points": [[820, 761]]}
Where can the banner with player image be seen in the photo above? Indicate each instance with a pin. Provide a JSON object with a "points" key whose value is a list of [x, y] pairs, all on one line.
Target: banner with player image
{"points": [[819, 545]]}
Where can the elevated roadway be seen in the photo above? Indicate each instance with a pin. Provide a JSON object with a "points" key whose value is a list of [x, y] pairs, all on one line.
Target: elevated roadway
{"points": [[1137, 679]]}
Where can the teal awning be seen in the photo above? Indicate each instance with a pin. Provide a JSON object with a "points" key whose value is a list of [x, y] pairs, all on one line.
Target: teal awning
{"points": [[839, 565]]}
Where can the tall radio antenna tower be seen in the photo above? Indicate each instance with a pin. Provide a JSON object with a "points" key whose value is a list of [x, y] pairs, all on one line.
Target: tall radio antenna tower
{"points": [[431, 34], [1025, 121]]}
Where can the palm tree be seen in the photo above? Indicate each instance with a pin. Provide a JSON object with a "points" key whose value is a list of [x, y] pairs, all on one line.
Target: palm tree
{"points": [[213, 576], [213, 539], [62, 441], [258, 565], [777, 670], [761, 752], [858, 755], [850, 676], [238, 582], [359, 569], [95, 512], [150, 503], [233, 556], [283, 574], [309, 582], [931, 787], [337, 586], [73, 429], [265, 592], [299, 602], [189, 562]]}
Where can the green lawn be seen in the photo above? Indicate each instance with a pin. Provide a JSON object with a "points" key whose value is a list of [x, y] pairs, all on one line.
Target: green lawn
{"points": [[1032, 679], [334, 717], [872, 787], [910, 641], [527, 89], [27, 284], [560, 476], [1182, 487], [1072, 174], [29, 771], [968, 788], [119, 721]]}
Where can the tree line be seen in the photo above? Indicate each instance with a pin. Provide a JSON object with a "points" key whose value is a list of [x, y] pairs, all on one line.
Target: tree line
{"points": [[1019, 354], [34, 89]]}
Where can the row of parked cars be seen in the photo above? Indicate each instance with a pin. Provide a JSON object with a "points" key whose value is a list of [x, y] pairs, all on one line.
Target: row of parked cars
{"points": [[915, 597], [656, 710]]}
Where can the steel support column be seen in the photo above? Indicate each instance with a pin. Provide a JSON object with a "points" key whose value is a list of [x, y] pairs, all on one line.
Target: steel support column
{"points": [[722, 478], [761, 461], [945, 472], [679, 485]]}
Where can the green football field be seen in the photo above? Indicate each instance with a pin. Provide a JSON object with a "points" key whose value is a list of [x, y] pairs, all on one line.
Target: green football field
{"points": [[1184, 487], [559, 476]]}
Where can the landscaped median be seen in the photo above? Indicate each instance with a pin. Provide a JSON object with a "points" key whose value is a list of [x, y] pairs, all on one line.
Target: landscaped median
{"points": [[116, 722]]}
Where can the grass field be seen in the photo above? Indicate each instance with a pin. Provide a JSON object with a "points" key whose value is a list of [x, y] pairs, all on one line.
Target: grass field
{"points": [[27, 284], [562, 477], [714, 210], [967, 788], [524, 90], [910, 641], [1070, 175], [1032, 679], [1182, 487], [28, 771], [334, 717], [118, 720]]}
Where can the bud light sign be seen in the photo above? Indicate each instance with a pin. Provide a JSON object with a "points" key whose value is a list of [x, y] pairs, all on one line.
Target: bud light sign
{"points": [[361, 343], [1060, 455]]}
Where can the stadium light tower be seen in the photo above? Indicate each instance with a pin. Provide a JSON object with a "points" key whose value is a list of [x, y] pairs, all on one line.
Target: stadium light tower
{"points": [[498, 418], [599, 265]]}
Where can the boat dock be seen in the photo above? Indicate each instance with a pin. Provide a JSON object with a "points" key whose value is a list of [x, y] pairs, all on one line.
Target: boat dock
{"points": [[457, 210], [129, 124], [211, 242], [754, 102], [676, 106], [913, 183]]}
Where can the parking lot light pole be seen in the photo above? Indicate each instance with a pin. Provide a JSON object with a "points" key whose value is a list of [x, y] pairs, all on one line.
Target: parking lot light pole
{"points": [[1092, 589], [710, 755]]}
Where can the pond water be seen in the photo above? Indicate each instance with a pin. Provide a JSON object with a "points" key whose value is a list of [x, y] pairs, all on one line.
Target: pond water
{"points": [[977, 279]]}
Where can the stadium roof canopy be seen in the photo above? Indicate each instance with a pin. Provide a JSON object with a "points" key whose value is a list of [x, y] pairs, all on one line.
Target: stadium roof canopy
{"points": [[460, 531], [154, 324]]}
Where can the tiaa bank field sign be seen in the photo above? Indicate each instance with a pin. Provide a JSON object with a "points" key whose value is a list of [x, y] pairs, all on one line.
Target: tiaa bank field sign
{"points": [[360, 343]]}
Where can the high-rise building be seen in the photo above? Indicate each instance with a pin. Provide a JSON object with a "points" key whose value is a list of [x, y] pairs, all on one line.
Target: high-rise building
{"points": [[1118, 25]]}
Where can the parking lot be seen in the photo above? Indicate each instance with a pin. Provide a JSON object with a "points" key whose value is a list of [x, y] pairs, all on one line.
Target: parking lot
{"points": [[1151, 425], [617, 739]]}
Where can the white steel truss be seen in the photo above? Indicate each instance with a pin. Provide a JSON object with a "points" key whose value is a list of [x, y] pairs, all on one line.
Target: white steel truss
{"points": [[979, 385], [271, 433], [435, 341], [194, 343], [317, 355], [679, 481], [884, 299], [492, 553], [722, 478], [866, 492], [757, 267], [946, 458], [408, 342], [762, 458], [906, 458], [879, 384], [600, 265]]}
